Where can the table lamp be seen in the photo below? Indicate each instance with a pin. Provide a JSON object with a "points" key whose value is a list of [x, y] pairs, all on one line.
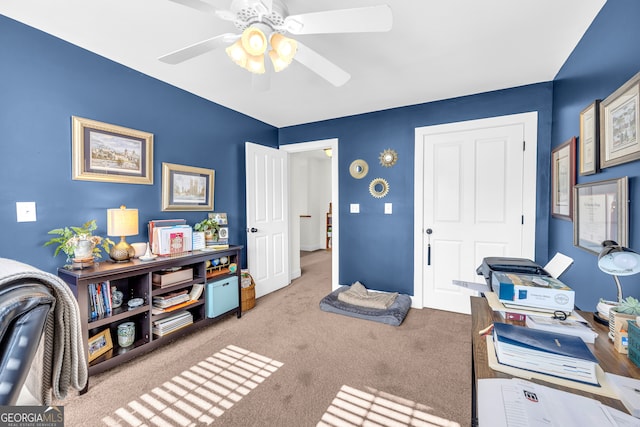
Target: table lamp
{"points": [[122, 222], [617, 261]]}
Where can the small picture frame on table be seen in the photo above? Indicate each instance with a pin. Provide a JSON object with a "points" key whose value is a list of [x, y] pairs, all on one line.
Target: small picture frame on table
{"points": [[563, 178], [620, 125], [590, 139], [99, 344], [600, 212]]}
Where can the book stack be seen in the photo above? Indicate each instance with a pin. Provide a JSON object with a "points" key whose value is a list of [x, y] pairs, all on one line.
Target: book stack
{"points": [[176, 300], [158, 223], [173, 323], [99, 300], [549, 353], [533, 291]]}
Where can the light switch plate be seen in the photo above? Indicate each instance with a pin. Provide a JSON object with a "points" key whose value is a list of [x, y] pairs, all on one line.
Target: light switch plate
{"points": [[26, 211], [388, 208], [354, 208]]}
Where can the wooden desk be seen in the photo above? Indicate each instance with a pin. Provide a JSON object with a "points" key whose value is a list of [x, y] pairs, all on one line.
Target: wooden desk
{"points": [[610, 360]]}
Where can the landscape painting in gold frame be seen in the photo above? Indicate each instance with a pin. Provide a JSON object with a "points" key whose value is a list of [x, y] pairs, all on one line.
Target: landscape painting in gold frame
{"points": [[111, 153], [187, 188]]}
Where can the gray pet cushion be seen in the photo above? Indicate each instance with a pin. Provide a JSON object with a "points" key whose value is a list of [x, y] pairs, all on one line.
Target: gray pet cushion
{"points": [[394, 315]]}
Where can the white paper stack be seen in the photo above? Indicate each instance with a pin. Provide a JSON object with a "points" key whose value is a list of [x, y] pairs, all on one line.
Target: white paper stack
{"points": [[173, 323]]}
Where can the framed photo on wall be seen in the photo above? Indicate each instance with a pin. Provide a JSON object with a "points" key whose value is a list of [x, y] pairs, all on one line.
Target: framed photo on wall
{"points": [[110, 153], [186, 188], [563, 178], [620, 125], [590, 138], [600, 213]]}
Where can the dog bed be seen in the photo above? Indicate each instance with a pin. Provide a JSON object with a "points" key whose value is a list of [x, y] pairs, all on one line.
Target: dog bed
{"points": [[394, 315]]}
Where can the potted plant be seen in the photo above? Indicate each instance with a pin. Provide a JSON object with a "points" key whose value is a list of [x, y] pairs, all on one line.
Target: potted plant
{"points": [[210, 227], [79, 243]]}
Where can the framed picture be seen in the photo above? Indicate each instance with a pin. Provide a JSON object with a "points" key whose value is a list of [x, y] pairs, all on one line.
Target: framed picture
{"points": [[186, 188], [563, 178], [99, 344], [619, 125], [600, 212], [110, 153], [590, 138]]}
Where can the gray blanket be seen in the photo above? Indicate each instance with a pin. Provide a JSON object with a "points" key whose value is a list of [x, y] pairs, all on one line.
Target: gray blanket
{"points": [[64, 364], [394, 315], [357, 294]]}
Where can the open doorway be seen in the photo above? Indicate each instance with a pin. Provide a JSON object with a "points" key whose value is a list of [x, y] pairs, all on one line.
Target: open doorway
{"points": [[307, 226]]}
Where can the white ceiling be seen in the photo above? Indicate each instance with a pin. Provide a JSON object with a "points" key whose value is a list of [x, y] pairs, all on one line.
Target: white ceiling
{"points": [[437, 49]]}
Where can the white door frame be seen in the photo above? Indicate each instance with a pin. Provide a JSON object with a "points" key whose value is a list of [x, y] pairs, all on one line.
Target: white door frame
{"points": [[530, 121], [335, 229]]}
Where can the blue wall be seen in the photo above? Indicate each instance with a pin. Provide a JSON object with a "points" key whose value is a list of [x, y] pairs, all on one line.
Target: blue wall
{"points": [[607, 56], [43, 82], [377, 249]]}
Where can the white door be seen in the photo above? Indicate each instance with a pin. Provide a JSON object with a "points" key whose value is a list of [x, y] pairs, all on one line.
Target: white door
{"points": [[477, 196], [267, 217]]}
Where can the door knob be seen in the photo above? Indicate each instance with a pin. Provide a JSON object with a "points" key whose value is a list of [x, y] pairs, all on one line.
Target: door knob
{"points": [[252, 230]]}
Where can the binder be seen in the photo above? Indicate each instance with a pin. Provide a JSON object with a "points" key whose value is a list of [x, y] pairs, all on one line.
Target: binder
{"points": [[550, 353]]}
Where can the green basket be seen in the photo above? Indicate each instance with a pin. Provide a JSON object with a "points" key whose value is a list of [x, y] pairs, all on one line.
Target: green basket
{"points": [[634, 342]]}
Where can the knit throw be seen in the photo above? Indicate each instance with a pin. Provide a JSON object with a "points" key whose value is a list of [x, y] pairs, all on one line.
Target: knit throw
{"points": [[64, 364]]}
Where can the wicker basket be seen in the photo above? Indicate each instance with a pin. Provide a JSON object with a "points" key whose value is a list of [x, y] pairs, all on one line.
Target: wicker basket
{"points": [[248, 296]]}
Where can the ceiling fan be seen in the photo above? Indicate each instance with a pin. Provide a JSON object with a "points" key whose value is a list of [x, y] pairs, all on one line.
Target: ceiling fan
{"points": [[264, 24]]}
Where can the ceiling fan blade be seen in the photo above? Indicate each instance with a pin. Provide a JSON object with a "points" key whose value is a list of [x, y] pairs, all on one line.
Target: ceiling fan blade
{"points": [[357, 20], [321, 65], [199, 48], [206, 7]]}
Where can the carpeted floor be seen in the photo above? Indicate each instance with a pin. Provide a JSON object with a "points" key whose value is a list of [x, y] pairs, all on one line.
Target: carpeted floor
{"points": [[287, 363]]}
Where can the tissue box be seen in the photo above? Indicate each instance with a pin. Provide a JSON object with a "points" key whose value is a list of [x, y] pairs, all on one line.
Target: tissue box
{"points": [[528, 290]]}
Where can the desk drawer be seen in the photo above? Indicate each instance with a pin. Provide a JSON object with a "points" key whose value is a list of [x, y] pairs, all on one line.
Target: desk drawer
{"points": [[221, 296]]}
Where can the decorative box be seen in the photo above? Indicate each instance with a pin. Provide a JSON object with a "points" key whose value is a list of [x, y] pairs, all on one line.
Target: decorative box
{"points": [[221, 296]]}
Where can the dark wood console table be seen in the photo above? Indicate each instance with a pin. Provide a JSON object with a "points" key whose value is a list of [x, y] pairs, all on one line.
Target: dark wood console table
{"points": [[610, 360]]}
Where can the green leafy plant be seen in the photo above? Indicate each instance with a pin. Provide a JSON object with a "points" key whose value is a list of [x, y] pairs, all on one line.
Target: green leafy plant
{"points": [[68, 237], [628, 305], [209, 226]]}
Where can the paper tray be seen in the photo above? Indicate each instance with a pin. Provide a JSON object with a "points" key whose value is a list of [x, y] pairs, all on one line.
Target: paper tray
{"points": [[605, 388]]}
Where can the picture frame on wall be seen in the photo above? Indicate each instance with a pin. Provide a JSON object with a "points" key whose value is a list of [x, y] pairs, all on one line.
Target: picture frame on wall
{"points": [[563, 178], [111, 153], [620, 125], [187, 188], [589, 143], [600, 212], [99, 344]]}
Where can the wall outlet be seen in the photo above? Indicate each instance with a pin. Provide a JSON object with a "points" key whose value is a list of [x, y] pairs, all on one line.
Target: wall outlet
{"points": [[388, 208], [354, 208]]}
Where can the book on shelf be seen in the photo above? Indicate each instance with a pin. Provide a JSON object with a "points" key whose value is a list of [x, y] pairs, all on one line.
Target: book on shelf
{"points": [[172, 323], [155, 223], [569, 327], [560, 355]]}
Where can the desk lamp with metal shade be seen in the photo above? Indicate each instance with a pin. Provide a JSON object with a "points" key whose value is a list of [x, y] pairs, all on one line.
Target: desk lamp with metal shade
{"points": [[617, 261]]}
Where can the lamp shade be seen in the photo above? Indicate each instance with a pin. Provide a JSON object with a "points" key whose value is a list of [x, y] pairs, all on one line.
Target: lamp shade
{"points": [[618, 260], [122, 222], [254, 41]]}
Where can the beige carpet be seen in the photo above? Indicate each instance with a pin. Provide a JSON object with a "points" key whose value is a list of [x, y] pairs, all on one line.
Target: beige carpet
{"points": [[287, 363]]}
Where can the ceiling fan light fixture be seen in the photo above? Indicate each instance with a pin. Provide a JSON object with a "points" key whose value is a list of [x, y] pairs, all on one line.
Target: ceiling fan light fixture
{"points": [[237, 54], [279, 64], [255, 64], [284, 46], [254, 41]]}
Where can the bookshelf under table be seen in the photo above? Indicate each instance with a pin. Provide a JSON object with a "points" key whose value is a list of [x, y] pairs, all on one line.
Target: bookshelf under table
{"points": [[610, 360], [134, 279]]}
